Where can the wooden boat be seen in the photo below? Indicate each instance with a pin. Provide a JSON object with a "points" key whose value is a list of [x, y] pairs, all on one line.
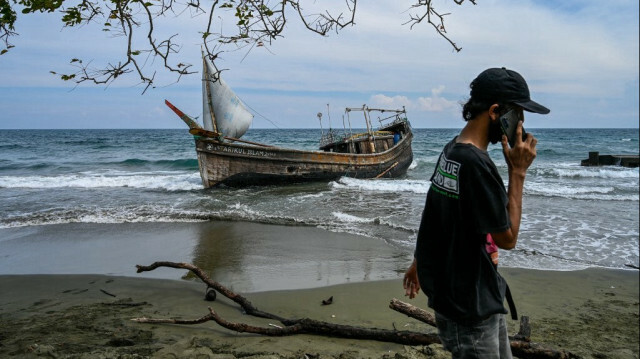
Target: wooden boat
{"points": [[224, 158]]}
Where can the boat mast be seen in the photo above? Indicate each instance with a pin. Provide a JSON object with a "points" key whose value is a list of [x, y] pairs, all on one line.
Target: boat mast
{"points": [[367, 119], [320, 119], [352, 147], [207, 85]]}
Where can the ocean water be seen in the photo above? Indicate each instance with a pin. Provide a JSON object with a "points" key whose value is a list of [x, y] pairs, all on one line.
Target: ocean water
{"points": [[573, 217]]}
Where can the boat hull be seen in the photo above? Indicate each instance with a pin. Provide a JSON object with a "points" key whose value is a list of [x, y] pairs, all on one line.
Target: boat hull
{"points": [[238, 165]]}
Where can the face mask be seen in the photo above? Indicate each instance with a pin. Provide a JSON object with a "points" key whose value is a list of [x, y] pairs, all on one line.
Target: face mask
{"points": [[495, 132]]}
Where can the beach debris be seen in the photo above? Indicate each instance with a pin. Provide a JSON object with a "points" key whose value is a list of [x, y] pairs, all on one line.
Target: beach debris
{"points": [[125, 303], [413, 312], [291, 326], [327, 301], [200, 320], [210, 294], [75, 291], [521, 345], [524, 333], [107, 293]]}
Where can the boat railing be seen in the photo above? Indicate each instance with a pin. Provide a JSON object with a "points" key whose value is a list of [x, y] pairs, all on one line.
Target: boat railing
{"points": [[397, 117], [397, 120], [331, 137]]}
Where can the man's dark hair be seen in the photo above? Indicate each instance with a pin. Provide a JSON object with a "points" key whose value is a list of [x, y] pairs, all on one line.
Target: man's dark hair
{"points": [[474, 107]]}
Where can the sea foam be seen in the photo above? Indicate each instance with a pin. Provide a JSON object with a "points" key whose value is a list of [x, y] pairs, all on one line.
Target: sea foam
{"points": [[170, 181], [383, 185]]}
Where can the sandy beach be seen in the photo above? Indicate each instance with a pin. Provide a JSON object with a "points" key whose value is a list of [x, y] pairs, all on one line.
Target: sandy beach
{"points": [[67, 314]]}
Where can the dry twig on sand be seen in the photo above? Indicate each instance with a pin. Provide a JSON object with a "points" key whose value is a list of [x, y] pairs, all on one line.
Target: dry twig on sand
{"points": [[520, 344]]}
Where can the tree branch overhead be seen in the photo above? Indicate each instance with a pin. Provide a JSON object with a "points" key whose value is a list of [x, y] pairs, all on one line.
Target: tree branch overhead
{"points": [[255, 23]]}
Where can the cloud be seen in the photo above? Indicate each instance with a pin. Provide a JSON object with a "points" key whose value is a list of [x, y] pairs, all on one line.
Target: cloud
{"points": [[436, 103], [433, 103], [389, 102]]}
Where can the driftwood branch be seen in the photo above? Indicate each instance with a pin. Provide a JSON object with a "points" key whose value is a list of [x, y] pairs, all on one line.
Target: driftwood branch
{"points": [[520, 344], [243, 302], [413, 312], [292, 326], [310, 326], [201, 320]]}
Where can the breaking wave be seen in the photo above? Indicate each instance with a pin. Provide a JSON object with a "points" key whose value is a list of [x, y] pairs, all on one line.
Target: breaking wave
{"points": [[169, 181]]}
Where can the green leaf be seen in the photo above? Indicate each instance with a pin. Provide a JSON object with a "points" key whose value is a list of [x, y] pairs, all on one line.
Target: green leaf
{"points": [[134, 53], [40, 5], [72, 16], [7, 15], [4, 51]]}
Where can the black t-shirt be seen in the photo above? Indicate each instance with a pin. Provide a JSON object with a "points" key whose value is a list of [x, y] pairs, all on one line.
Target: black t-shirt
{"points": [[466, 200]]}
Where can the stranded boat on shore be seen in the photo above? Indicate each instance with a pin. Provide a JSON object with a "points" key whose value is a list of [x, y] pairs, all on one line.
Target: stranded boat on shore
{"points": [[224, 158]]}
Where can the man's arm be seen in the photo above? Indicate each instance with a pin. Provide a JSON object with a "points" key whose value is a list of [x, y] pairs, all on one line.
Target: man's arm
{"points": [[518, 159]]}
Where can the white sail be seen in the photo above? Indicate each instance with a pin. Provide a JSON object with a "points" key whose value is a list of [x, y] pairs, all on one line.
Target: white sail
{"points": [[230, 116]]}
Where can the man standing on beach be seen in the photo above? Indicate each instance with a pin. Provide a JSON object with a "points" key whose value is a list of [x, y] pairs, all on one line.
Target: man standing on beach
{"points": [[467, 210]]}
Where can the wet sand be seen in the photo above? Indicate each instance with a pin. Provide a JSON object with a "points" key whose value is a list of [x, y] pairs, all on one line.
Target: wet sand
{"points": [[592, 313], [247, 257]]}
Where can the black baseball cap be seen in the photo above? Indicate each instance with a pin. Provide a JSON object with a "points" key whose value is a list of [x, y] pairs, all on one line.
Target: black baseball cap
{"points": [[505, 86]]}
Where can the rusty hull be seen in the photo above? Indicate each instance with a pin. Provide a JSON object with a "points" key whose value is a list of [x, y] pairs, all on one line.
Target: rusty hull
{"points": [[236, 164]]}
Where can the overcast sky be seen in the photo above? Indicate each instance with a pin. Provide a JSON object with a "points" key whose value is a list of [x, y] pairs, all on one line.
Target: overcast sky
{"points": [[580, 59]]}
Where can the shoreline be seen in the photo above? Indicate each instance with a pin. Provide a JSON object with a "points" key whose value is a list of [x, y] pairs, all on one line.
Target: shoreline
{"points": [[246, 256], [592, 313]]}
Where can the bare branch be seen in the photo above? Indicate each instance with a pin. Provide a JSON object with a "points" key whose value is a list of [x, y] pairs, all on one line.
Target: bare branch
{"points": [[124, 12], [200, 320], [256, 23], [323, 23], [438, 25]]}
